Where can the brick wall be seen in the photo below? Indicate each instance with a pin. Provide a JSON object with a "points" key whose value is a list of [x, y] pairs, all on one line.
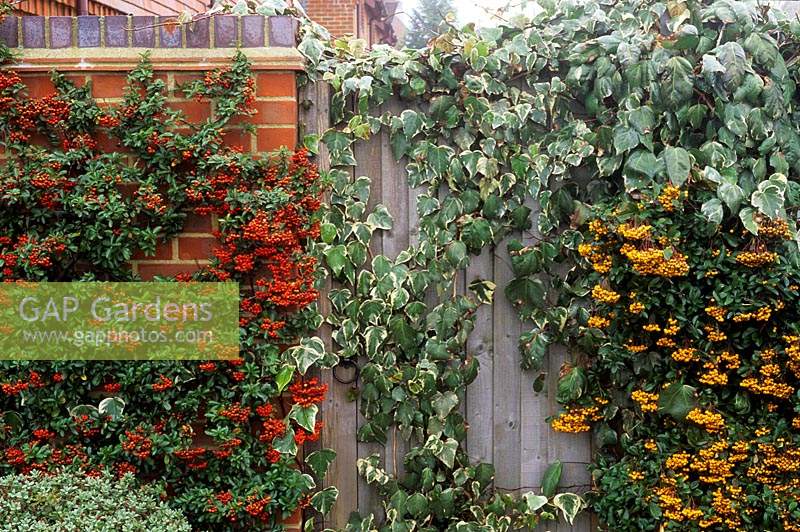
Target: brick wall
{"points": [[338, 16], [102, 49]]}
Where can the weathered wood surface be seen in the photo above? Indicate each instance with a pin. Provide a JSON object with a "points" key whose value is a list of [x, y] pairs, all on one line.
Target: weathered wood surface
{"points": [[506, 417]]}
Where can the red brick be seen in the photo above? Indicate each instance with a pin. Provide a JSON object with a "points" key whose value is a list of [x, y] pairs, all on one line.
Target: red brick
{"points": [[276, 84], [238, 138], [182, 79], [148, 271], [40, 85], [196, 247], [275, 113], [163, 252], [195, 223], [108, 144], [194, 112], [109, 85], [294, 520], [270, 113], [270, 139]]}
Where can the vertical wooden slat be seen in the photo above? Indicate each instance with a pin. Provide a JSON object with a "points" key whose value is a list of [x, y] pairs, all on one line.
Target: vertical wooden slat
{"points": [[574, 450], [338, 412], [369, 157], [507, 378], [479, 400], [394, 194], [535, 432]]}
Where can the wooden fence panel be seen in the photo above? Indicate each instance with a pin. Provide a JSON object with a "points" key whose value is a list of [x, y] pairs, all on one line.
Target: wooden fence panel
{"points": [[506, 417]]}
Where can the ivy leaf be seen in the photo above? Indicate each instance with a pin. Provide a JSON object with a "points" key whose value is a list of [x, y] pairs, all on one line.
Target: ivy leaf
{"points": [[319, 461], [678, 163], [534, 502], [417, 505], [768, 199], [677, 400], [336, 257], [380, 218], [112, 406], [642, 162], [747, 216], [284, 377], [286, 444], [443, 404], [483, 290], [447, 454], [625, 138], [732, 194], [312, 48], [374, 337], [456, 253], [712, 210], [323, 500], [328, 232], [551, 478], [309, 352], [569, 504], [306, 416], [476, 233], [412, 123]]}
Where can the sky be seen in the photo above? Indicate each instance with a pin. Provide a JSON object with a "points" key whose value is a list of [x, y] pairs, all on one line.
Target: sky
{"points": [[466, 10]]}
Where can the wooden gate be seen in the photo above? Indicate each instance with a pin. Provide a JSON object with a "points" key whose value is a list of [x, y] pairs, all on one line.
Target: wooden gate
{"points": [[506, 417]]}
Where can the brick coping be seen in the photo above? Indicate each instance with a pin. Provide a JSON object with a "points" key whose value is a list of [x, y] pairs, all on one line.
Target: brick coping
{"points": [[117, 42]]}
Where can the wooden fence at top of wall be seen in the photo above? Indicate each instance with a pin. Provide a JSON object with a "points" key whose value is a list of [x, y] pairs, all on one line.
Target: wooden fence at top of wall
{"points": [[506, 417]]}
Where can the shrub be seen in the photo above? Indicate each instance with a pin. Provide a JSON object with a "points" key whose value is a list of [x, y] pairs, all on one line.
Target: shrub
{"points": [[68, 501]]}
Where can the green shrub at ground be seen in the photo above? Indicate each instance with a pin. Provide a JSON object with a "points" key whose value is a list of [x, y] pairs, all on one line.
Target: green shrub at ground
{"points": [[74, 502]]}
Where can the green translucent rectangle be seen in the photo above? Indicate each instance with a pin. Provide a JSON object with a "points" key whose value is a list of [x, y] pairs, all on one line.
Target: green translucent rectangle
{"points": [[119, 321]]}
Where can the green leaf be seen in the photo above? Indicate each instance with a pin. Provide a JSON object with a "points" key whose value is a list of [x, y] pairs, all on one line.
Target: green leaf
{"points": [[534, 502], [380, 218], [677, 400], [284, 377], [319, 461], [732, 194], [456, 252], [112, 406], [678, 163], [625, 138], [443, 404], [712, 210], [412, 123], [483, 290], [747, 216], [551, 478], [306, 416], [642, 162], [336, 257], [569, 504], [286, 444], [309, 352], [417, 505], [526, 293], [323, 500], [768, 198], [571, 385], [312, 48], [374, 337], [328, 232]]}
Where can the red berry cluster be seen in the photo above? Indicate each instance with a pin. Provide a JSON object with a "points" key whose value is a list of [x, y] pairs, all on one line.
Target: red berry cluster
{"points": [[307, 393]]}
